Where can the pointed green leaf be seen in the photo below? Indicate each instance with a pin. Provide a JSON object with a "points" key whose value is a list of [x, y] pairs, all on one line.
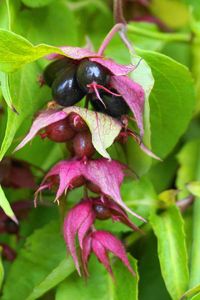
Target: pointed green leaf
{"points": [[15, 51], [169, 230], [6, 206], [171, 101]]}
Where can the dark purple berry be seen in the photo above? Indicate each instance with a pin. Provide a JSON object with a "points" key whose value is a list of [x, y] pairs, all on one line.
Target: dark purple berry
{"points": [[54, 68], [59, 131], [77, 123], [114, 106], [65, 89], [89, 72], [82, 145], [102, 212]]}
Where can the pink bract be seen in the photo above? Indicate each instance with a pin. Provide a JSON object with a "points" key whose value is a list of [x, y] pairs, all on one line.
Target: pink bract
{"points": [[107, 175], [134, 96], [100, 243]]}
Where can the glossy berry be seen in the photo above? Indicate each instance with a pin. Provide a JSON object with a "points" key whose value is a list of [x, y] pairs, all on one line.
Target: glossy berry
{"points": [[65, 89], [102, 212], [77, 123], [82, 145], [89, 72], [114, 106], [59, 131], [53, 69]]}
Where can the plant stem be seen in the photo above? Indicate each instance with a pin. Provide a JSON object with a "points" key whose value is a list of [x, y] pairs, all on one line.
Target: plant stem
{"points": [[168, 37], [109, 37]]}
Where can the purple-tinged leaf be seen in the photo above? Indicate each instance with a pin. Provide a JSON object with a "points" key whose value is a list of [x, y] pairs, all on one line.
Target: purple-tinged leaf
{"points": [[44, 119], [78, 220], [74, 53], [113, 67], [134, 96]]}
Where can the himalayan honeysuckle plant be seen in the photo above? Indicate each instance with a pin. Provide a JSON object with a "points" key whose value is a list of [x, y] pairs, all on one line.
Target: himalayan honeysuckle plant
{"points": [[99, 157]]}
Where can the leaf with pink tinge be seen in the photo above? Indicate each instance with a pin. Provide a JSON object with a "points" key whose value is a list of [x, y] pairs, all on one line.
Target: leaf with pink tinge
{"points": [[104, 129], [74, 53], [134, 96], [114, 67], [44, 119], [102, 242], [78, 220]]}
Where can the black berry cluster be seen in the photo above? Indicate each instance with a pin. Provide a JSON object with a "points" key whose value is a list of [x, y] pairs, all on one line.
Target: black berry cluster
{"points": [[70, 81]]}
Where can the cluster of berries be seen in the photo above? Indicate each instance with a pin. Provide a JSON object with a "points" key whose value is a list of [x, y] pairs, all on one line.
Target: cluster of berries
{"points": [[71, 80], [111, 93]]}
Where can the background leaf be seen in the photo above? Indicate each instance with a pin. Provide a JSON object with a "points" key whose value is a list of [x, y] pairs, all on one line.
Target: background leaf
{"points": [[6, 206], [168, 227], [36, 269], [171, 101], [100, 285]]}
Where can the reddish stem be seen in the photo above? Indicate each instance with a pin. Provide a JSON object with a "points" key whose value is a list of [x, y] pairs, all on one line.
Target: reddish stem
{"points": [[117, 27]]}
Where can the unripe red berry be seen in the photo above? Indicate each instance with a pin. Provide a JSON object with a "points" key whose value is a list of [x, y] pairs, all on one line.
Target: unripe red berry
{"points": [[77, 123], [59, 131], [82, 145]]}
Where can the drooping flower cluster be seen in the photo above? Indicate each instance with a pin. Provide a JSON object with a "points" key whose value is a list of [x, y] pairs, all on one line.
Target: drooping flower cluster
{"points": [[71, 76]]}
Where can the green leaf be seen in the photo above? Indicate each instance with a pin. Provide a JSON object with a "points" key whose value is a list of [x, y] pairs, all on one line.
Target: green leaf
{"points": [[99, 285], [171, 101], [64, 269], [196, 297], [6, 206], [37, 3], [122, 275], [194, 188], [191, 292], [4, 78], [1, 269], [15, 51], [27, 97], [174, 14], [188, 167], [168, 228], [141, 162], [36, 269], [189, 160]]}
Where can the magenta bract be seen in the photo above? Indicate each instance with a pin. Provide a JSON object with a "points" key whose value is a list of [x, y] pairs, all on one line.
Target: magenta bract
{"points": [[107, 175], [101, 243]]}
